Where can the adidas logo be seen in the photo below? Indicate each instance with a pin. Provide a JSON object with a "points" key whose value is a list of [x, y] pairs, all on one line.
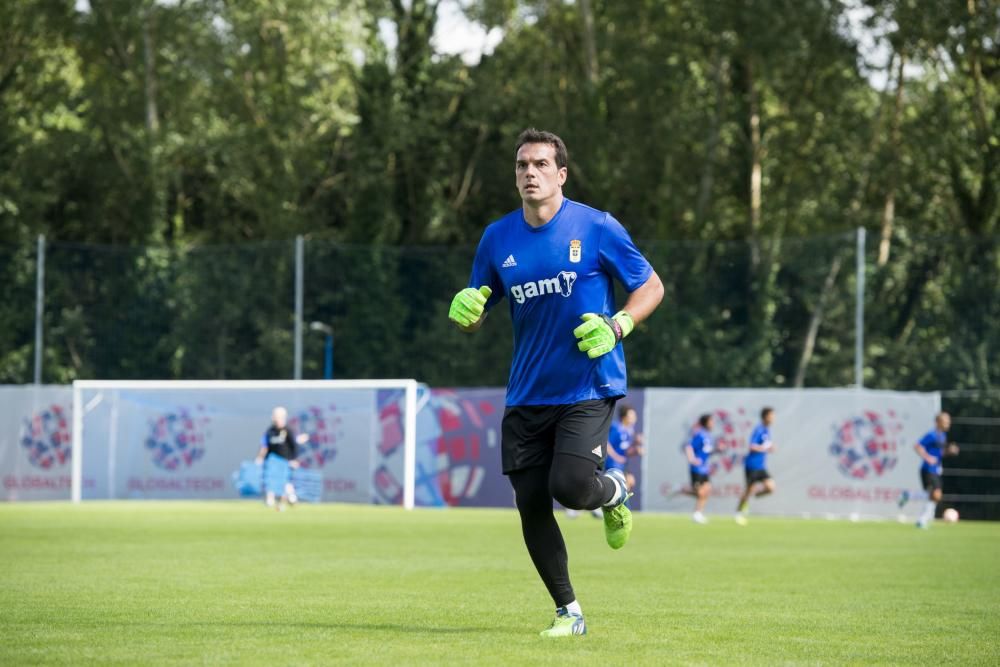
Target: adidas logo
{"points": [[509, 262], [597, 450]]}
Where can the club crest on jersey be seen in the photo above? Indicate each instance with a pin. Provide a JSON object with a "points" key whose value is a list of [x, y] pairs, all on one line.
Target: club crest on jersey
{"points": [[575, 251], [560, 284]]}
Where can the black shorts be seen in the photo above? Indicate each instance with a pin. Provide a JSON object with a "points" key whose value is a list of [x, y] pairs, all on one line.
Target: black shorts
{"points": [[697, 479], [754, 476], [930, 480], [533, 434]]}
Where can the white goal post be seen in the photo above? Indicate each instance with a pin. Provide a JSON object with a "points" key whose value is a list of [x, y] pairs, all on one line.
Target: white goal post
{"points": [[125, 420]]}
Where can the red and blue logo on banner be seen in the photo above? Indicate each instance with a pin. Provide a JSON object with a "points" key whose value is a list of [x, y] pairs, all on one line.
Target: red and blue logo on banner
{"points": [[177, 439], [866, 445], [45, 438], [324, 430]]}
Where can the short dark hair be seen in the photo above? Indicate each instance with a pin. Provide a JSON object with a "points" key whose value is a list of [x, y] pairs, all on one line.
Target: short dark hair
{"points": [[533, 136], [765, 412], [704, 419], [623, 410]]}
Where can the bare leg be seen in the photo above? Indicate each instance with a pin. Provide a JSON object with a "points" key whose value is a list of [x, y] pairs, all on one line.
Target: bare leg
{"points": [[704, 490], [767, 487]]}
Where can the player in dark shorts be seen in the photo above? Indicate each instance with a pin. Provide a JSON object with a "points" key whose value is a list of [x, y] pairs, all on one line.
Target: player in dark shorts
{"points": [[758, 480], [555, 260], [278, 451], [698, 451], [932, 448]]}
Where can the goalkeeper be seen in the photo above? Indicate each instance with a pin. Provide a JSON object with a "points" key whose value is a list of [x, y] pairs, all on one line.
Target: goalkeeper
{"points": [[555, 260], [278, 451]]}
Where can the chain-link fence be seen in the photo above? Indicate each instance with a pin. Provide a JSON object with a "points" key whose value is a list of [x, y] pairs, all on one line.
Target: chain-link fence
{"points": [[776, 313]]}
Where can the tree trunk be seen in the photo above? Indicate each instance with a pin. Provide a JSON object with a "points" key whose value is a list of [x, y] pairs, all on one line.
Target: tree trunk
{"points": [[157, 197], [815, 321], [889, 207], [756, 155], [707, 181], [589, 43]]}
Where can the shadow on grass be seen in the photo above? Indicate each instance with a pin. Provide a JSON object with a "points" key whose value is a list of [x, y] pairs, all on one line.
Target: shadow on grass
{"points": [[266, 625]]}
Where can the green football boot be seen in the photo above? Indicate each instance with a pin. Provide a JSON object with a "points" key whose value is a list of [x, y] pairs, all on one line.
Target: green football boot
{"points": [[618, 519], [566, 624]]}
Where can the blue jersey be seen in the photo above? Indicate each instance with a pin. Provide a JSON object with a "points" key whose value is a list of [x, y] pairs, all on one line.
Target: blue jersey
{"points": [[619, 439], [552, 275], [701, 443], [933, 443], [758, 460]]}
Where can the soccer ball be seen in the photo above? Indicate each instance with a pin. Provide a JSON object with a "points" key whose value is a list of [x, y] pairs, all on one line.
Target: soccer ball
{"points": [[950, 515]]}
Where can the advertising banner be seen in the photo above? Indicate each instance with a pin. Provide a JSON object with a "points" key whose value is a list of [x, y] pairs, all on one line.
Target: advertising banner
{"points": [[173, 444], [837, 452], [35, 443]]}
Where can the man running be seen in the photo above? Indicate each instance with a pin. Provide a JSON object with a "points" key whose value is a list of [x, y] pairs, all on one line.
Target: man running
{"points": [[555, 260], [759, 482], [931, 449], [698, 450]]}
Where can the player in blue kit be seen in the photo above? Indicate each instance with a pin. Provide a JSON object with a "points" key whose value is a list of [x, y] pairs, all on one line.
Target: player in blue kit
{"points": [[698, 450], [555, 260], [624, 443], [759, 482], [931, 449]]}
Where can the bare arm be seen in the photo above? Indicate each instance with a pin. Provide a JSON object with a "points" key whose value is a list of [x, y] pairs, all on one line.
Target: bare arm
{"points": [[644, 300], [689, 450], [261, 454], [922, 453]]}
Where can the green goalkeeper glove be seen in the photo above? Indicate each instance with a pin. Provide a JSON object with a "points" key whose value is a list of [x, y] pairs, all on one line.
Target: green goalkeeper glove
{"points": [[468, 305], [599, 333]]}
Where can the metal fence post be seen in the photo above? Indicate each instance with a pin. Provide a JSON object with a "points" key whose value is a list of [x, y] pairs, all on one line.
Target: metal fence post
{"points": [[299, 287], [859, 313], [39, 306]]}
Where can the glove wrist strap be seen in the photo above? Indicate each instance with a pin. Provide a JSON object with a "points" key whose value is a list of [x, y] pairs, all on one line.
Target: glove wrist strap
{"points": [[625, 323], [615, 328]]}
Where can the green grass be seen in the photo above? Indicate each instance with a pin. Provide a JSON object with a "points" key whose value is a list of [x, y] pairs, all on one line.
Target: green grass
{"points": [[183, 583]]}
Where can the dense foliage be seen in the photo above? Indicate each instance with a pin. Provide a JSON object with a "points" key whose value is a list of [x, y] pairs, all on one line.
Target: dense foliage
{"points": [[169, 151]]}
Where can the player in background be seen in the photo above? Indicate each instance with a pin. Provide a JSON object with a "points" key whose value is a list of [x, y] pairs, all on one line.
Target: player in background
{"points": [[624, 443], [278, 451], [556, 260], [697, 451], [759, 482], [931, 449]]}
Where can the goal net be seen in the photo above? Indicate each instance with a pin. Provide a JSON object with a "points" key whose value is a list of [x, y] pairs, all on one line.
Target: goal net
{"points": [[189, 439]]}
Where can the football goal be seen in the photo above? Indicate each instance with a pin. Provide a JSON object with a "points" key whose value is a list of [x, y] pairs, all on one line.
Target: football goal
{"points": [[150, 439]]}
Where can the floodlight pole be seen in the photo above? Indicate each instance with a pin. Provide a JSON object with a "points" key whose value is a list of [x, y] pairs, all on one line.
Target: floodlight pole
{"points": [[39, 306], [859, 313], [299, 287], [327, 330]]}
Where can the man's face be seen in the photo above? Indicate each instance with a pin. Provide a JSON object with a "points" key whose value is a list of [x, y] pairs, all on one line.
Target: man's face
{"points": [[279, 417], [710, 424], [537, 176], [944, 421], [769, 418], [630, 418]]}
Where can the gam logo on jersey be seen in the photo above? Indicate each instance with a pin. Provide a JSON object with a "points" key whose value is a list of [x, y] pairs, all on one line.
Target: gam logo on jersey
{"points": [[45, 438], [560, 284], [177, 439], [866, 445], [324, 428]]}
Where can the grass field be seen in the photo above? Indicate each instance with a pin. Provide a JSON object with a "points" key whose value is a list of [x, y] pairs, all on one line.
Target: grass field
{"points": [[183, 583]]}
